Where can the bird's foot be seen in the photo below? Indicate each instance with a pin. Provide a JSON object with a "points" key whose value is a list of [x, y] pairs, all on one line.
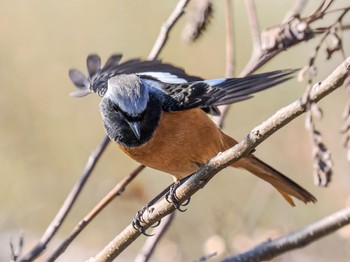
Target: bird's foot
{"points": [[138, 221], [170, 195], [172, 198]]}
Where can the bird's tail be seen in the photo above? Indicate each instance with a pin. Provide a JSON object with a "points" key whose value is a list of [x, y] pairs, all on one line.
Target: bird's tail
{"points": [[283, 184]]}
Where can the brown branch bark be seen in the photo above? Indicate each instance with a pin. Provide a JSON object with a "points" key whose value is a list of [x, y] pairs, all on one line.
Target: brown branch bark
{"points": [[116, 191], [67, 205], [166, 27], [298, 239], [295, 10], [281, 118], [230, 58], [259, 55], [254, 26]]}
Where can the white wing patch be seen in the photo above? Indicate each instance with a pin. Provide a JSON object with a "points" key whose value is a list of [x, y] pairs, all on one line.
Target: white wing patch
{"points": [[215, 82], [165, 77]]}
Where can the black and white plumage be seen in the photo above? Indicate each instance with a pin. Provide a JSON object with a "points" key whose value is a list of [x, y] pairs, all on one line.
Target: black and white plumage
{"points": [[132, 104], [136, 92], [179, 90], [96, 82]]}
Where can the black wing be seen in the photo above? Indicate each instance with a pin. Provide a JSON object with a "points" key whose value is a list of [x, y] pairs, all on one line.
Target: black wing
{"points": [[211, 93], [98, 77]]}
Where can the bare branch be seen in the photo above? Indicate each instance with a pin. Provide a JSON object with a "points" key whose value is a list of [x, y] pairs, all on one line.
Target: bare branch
{"points": [[199, 19], [16, 249], [345, 130], [230, 59], [296, 9], [262, 50], [166, 27], [116, 191], [298, 239], [68, 203], [281, 118], [254, 26]]}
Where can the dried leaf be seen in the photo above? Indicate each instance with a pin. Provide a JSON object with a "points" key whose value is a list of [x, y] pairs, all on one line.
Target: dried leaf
{"points": [[199, 18]]}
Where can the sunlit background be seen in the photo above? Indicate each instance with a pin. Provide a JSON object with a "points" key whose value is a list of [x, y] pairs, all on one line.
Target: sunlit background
{"points": [[47, 136]]}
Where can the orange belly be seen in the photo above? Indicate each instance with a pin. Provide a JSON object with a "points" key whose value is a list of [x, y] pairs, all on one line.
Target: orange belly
{"points": [[186, 140], [183, 142]]}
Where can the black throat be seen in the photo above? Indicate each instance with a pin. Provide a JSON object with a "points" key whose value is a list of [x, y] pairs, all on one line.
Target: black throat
{"points": [[119, 130]]}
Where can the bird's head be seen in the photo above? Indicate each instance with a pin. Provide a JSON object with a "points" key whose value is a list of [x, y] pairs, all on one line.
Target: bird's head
{"points": [[129, 110]]}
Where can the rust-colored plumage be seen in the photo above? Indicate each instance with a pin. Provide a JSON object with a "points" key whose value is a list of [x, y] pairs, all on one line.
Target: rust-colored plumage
{"points": [[186, 140]]}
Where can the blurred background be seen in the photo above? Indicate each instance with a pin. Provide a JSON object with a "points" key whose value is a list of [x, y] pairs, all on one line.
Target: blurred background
{"points": [[47, 136]]}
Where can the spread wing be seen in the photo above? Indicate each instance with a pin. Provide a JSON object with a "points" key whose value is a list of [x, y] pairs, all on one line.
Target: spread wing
{"points": [[97, 79], [211, 93]]}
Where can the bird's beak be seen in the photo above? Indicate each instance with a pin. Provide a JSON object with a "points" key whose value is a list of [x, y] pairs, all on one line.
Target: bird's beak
{"points": [[135, 127]]}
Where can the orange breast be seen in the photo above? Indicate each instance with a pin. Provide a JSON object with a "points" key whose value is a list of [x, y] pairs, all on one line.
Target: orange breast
{"points": [[183, 142]]}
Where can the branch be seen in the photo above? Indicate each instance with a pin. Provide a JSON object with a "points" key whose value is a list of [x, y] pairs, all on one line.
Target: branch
{"points": [[254, 26], [298, 239], [230, 59], [224, 159], [262, 51], [116, 191], [296, 9], [68, 203], [165, 29]]}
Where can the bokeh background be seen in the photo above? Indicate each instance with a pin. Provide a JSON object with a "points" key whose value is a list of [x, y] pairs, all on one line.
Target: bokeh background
{"points": [[47, 136]]}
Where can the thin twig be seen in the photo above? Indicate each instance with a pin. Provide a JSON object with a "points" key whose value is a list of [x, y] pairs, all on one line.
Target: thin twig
{"points": [[166, 27], [116, 191], [151, 242], [222, 160], [16, 249], [258, 56], [254, 26], [68, 203], [230, 58], [295, 10], [298, 239]]}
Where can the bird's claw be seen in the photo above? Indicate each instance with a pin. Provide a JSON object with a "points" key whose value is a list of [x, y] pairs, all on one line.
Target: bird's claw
{"points": [[172, 198], [138, 221]]}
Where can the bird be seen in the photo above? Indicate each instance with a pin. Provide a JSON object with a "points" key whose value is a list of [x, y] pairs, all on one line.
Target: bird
{"points": [[159, 116]]}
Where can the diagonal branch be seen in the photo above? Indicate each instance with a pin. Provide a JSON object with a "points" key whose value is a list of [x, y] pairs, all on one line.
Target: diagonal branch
{"points": [[68, 203], [298, 239], [166, 27], [281, 118], [116, 191], [230, 58], [254, 26], [260, 55]]}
